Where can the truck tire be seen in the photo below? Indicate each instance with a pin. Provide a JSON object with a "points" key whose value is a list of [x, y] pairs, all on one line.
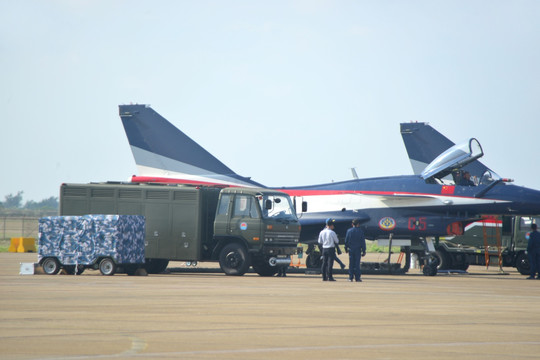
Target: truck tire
{"points": [[459, 262], [522, 264], [234, 259], [107, 267], [263, 268], [445, 261], [155, 266], [51, 266]]}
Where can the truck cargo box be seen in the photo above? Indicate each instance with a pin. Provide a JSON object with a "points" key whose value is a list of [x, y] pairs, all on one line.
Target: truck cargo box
{"points": [[89, 239]]}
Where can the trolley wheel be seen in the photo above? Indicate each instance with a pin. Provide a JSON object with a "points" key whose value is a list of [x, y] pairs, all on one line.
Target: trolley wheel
{"points": [[107, 267], [51, 266]]}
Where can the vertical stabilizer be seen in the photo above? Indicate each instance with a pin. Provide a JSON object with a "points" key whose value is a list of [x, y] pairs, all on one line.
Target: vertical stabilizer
{"points": [[163, 153], [424, 144]]}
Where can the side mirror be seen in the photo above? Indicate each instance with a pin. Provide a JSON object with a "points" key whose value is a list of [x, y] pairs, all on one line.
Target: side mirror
{"points": [[268, 204], [304, 206]]}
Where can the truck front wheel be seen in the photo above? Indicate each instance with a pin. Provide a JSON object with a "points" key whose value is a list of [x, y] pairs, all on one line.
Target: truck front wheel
{"points": [[107, 267], [234, 260], [51, 266]]}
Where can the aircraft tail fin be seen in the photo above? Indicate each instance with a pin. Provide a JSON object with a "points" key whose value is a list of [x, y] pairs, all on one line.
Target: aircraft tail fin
{"points": [[163, 153], [424, 144]]}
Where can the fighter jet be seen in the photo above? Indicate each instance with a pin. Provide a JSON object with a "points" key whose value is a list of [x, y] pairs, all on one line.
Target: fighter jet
{"points": [[413, 208]]}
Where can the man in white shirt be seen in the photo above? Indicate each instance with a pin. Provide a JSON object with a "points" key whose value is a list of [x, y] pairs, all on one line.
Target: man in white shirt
{"points": [[328, 240]]}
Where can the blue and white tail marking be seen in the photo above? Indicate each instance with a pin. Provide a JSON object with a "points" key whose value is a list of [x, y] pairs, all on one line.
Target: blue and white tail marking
{"points": [[424, 144], [163, 152]]}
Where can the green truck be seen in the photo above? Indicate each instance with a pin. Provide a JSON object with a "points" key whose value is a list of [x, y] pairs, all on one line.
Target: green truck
{"points": [[237, 227], [495, 240]]}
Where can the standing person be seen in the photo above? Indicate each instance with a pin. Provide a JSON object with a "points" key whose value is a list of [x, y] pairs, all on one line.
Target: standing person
{"points": [[533, 250], [355, 243], [329, 240], [282, 271]]}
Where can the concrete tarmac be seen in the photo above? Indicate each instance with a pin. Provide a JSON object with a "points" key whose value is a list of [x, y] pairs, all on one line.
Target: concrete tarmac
{"points": [[480, 315]]}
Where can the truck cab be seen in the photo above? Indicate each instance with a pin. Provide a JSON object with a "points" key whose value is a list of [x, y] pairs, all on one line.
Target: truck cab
{"points": [[255, 227]]}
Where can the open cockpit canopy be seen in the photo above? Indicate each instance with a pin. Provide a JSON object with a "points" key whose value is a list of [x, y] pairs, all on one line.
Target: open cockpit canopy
{"points": [[452, 160]]}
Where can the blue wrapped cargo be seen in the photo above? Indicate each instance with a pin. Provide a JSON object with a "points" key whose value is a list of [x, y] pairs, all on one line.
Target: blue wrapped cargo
{"points": [[110, 243]]}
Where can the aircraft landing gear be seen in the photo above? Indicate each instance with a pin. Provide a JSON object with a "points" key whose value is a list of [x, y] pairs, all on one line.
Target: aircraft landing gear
{"points": [[431, 260], [430, 266]]}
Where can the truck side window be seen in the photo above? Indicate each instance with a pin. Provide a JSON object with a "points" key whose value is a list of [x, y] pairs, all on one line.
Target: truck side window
{"points": [[525, 223], [244, 206], [223, 206]]}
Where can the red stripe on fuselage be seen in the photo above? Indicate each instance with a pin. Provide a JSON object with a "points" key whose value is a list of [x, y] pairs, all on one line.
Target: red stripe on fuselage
{"points": [[291, 192]]}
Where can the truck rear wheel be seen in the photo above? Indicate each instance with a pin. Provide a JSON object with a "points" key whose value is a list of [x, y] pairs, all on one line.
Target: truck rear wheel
{"points": [[234, 260], [107, 267], [155, 266], [263, 268], [51, 266]]}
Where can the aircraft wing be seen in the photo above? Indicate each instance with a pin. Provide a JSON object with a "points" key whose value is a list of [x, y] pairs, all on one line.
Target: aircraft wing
{"points": [[408, 200]]}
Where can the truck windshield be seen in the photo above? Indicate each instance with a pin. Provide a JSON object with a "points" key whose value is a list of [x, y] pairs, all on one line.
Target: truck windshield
{"points": [[526, 221], [281, 207]]}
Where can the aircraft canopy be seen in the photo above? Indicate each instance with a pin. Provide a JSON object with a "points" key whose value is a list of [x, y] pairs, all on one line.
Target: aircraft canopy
{"points": [[454, 158]]}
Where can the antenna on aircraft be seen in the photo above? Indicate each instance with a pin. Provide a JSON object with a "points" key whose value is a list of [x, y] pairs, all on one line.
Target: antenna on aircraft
{"points": [[354, 174]]}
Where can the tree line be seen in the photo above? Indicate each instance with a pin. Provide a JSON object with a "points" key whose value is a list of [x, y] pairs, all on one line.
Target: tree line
{"points": [[13, 205]]}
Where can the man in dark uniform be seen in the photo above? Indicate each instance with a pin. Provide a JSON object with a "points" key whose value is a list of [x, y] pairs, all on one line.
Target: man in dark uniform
{"points": [[355, 243], [533, 250]]}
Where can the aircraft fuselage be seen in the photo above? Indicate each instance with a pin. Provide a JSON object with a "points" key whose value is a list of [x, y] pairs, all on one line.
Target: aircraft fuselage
{"points": [[409, 206]]}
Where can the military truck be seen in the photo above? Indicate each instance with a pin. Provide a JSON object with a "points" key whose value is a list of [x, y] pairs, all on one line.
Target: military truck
{"points": [[495, 240], [237, 227]]}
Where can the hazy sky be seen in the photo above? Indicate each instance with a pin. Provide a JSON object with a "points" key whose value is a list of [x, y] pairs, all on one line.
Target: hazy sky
{"points": [[287, 92]]}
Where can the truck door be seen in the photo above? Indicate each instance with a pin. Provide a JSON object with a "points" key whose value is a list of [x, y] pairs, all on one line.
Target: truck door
{"points": [[245, 218], [221, 223]]}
